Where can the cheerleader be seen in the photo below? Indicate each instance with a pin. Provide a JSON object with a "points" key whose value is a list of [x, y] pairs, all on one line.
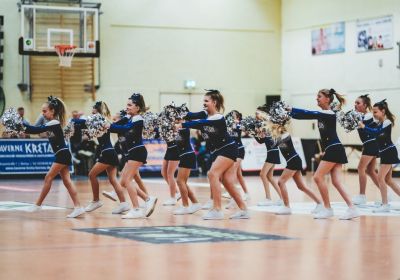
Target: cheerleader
{"points": [[334, 154], [213, 127], [292, 170], [267, 171], [236, 134], [137, 154], [387, 151], [370, 149], [169, 166], [187, 162], [54, 111], [120, 147], [106, 160]]}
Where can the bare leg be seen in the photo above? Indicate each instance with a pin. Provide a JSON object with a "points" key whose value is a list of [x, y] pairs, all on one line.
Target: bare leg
{"points": [[336, 172], [183, 175], [94, 172], [285, 176], [48, 180], [64, 173], [263, 175], [130, 168], [219, 166], [371, 172], [270, 176], [139, 182], [362, 172], [298, 179], [382, 173], [229, 178], [240, 175], [323, 168], [112, 177], [389, 180]]}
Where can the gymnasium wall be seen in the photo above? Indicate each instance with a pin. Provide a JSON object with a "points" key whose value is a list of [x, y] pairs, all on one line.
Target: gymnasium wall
{"points": [[350, 73], [152, 46]]}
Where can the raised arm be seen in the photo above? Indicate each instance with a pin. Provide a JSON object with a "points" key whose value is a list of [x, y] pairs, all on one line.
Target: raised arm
{"points": [[196, 115], [198, 124], [301, 114], [121, 128]]}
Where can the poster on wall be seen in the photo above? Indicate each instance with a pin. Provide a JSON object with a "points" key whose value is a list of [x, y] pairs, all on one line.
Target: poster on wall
{"points": [[328, 39], [374, 34]]}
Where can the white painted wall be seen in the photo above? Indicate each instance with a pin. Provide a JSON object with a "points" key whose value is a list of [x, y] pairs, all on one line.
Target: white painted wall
{"points": [[350, 73]]}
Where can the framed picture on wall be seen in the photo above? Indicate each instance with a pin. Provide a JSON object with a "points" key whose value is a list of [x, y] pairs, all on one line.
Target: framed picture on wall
{"points": [[374, 34], [328, 39]]}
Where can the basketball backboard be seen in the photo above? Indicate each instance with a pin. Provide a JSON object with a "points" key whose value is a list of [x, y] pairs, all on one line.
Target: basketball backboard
{"points": [[44, 27]]}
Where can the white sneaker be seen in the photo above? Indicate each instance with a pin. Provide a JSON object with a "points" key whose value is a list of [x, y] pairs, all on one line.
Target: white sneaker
{"points": [[178, 196], [122, 207], [33, 208], [378, 203], [317, 208], [279, 202], [77, 212], [324, 213], [93, 205], [111, 195], [246, 197], [226, 195], [266, 202], [231, 205], [136, 213], [181, 211], [214, 214], [241, 214], [359, 199], [284, 210], [150, 205], [194, 208], [351, 213], [208, 205], [385, 208], [170, 202]]}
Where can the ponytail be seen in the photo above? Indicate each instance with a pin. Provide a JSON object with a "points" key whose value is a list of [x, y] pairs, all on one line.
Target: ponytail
{"points": [[216, 96], [382, 105], [366, 100], [331, 93], [102, 108], [59, 108]]}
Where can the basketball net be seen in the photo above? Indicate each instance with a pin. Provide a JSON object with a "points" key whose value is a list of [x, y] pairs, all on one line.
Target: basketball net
{"points": [[65, 54]]}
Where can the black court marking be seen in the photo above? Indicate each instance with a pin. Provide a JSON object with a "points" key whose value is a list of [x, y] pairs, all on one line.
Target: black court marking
{"points": [[181, 234]]}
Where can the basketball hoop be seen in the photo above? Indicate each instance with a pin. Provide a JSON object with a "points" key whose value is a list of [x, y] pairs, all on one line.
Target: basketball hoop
{"points": [[65, 53]]}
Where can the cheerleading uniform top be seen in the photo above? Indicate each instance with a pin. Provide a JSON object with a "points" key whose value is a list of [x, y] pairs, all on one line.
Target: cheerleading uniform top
{"points": [[370, 146], [272, 149], [131, 130], [56, 138], [214, 131], [293, 160], [383, 133], [333, 148]]}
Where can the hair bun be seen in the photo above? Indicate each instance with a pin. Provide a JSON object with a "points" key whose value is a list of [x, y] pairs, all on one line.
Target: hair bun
{"points": [[332, 91], [53, 100]]}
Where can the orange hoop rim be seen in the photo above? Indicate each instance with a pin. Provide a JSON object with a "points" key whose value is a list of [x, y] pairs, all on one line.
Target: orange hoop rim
{"points": [[63, 48]]}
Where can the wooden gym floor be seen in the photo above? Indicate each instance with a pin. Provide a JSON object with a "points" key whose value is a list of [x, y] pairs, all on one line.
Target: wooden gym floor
{"points": [[44, 245]]}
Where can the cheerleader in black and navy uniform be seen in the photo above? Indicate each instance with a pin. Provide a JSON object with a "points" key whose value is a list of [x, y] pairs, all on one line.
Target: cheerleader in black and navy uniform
{"points": [[267, 171], [213, 127], [132, 129], [292, 170], [370, 149], [236, 133], [187, 162], [334, 154], [54, 112], [106, 160], [387, 151], [168, 168]]}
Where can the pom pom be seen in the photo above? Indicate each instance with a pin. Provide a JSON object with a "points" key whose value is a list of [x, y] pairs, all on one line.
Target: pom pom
{"points": [[150, 125], [254, 127], [69, 130], [279, 113], [335, 106], [12, 122], [349, 120], [96, 126]]}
